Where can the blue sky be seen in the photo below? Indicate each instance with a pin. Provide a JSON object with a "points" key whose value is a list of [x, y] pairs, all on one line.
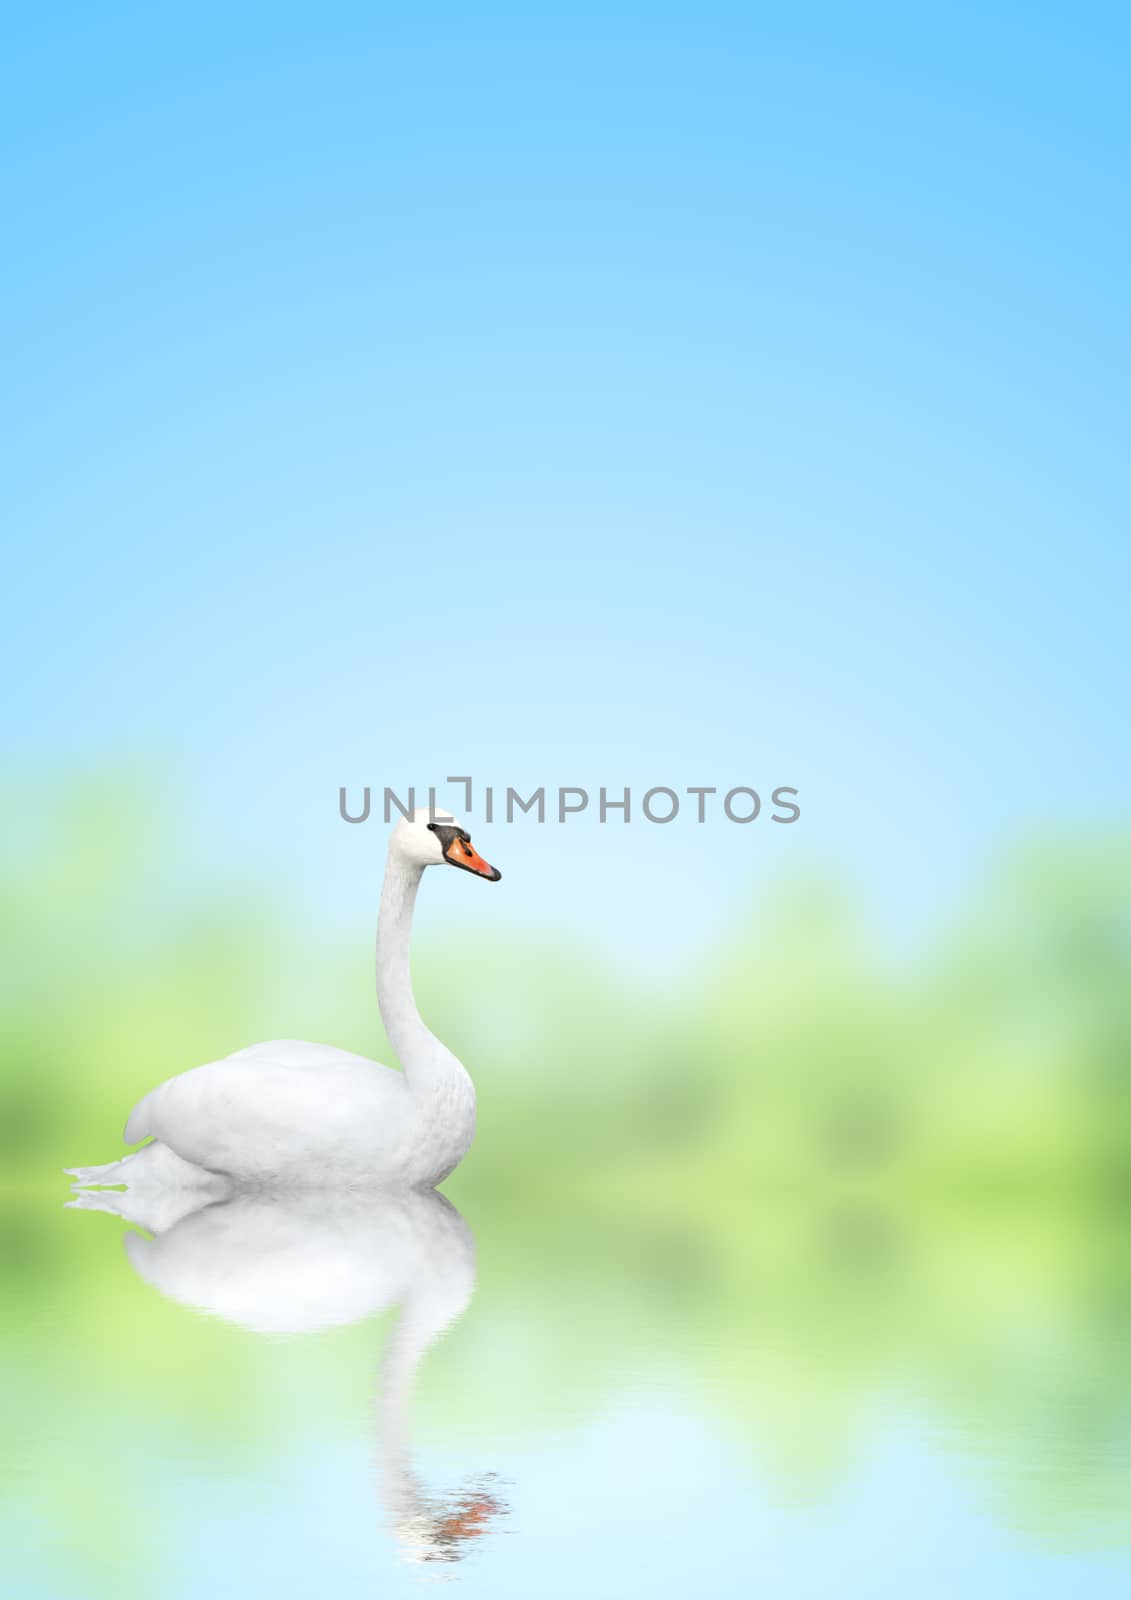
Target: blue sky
{"points": [[684, 395]]}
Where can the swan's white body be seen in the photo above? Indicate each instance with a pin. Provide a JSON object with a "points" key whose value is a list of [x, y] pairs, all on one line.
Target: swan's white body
{"points": [[310, 1116]]}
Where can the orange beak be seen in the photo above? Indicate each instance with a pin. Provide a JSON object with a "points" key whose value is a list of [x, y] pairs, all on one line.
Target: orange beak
{"points": [[462, 853]]}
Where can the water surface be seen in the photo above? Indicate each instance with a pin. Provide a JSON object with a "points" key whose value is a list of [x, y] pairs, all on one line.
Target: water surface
{"points": [[356, 1397]]}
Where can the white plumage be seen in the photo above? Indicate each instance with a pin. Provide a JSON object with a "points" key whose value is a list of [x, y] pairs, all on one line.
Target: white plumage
{"points": [[287, 1113]]}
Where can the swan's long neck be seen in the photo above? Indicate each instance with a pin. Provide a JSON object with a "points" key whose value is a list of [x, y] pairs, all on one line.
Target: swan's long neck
{"points": [[430, 1067]]}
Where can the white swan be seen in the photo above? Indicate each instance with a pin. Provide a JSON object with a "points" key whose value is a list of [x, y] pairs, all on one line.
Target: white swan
{"points": [[309, 1115], [295, 1262]]}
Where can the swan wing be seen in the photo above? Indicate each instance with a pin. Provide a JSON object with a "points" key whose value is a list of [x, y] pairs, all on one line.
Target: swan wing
{"points": [[297, 1053], [284, 1107], [278, 1052]]}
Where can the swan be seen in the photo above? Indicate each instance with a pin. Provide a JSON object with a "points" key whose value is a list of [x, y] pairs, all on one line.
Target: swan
{"points": [[298, 1261], [310, 1116]]}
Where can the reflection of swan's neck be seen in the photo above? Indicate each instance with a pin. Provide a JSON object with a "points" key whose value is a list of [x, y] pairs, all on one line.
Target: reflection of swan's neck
{"points": [[410, 1337], [432, 1304], [429, 1066]]}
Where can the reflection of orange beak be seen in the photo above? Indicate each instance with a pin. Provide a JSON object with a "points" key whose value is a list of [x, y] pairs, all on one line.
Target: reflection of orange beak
{"points": [[462, 853], [471, 1517]]}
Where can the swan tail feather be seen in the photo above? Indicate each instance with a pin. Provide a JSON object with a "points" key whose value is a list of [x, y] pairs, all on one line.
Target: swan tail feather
{"points": [[110, 1172], [157, 1187], [155, 1165], [108, 1200]]}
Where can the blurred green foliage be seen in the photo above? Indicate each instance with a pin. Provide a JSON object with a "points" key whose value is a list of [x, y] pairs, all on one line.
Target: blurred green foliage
{"points": [[827, 1179]]}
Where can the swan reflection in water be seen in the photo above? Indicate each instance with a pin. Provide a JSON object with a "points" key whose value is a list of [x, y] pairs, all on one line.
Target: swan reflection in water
{"points": [[299, 1262]]}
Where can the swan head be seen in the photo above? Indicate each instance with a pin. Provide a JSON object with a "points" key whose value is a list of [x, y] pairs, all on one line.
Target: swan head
{"points": [[437, 839]]}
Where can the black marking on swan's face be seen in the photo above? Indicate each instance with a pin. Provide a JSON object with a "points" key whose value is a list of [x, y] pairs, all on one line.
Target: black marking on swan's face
{"points": [[459, 851]]}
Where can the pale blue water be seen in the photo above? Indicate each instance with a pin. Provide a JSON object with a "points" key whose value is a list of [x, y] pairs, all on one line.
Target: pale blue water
{"points": [[564, 1439]]}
